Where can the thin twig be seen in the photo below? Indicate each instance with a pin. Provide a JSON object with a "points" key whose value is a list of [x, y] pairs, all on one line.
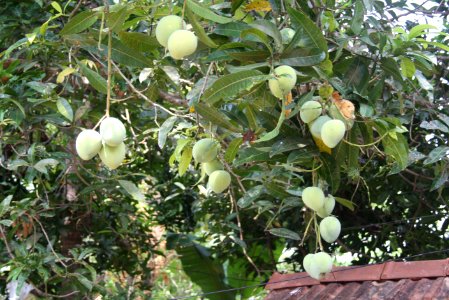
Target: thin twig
{"points": [[8, 248], [239, 225], [49, 242], [108, 95]]}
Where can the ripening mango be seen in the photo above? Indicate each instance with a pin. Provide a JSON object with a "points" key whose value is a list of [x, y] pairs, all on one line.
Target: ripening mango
{"points": [[315, 126], [88, 144], [284, 82], [182, 43], [205, 150], [332, 132], [318, 264], [166, 26], [330, 229], [113, 157], [313, 197], [112, 131], [210, 167], [328, 207], [310, 111], [219, 181]]}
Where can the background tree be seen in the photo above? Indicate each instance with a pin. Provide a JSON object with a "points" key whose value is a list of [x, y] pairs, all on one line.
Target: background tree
{"points": [[74, 228]]}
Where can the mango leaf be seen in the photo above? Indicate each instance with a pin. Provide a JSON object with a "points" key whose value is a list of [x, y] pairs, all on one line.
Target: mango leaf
{"points": [[138, 41], [275, 132], [309, 28], [42, 165], [80, 22], [233, 29], [397, 150], [95, 79], [212, 115], [164, 130], [246, 56], [299, 58], [198, 265], [408, 68], [64, 73], [251, 195], [206, 13], [357, 19], [186, 158], [436, 154], [232, 150], [199, 30], [255, 35], [115, 20], [285, 233], [440, 180], [270, 29], [132, 190], [231, 85], [419, 30], [127, 56], [330, 171], [252, 155], [390, 67], [64, 108], [345, 202], [287, 144]]}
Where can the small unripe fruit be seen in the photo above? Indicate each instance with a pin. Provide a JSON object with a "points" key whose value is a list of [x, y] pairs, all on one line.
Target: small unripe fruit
{"points": [[210, 167], [310, 111], [88, 144], [112, 131], [219, 181], [330, 229], [315, 126], [166, 26], [182, 43], [318, 264], [332, 132], [328, 207], [205, 150], [323, 261], [287, 35], [113, 157], [313, 197], [284, 82]]}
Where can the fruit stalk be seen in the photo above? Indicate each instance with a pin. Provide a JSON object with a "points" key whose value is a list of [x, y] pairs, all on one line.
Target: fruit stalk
{"points": [[108, 94]]}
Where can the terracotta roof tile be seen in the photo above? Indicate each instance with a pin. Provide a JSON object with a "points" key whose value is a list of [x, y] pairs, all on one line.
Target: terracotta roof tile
{"points": [[393, 280]]}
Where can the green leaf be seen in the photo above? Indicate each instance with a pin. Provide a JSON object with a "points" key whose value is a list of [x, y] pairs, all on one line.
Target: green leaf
{"points": [[309, 28], [300, 58], [233, 29], [64, 108], [252, 154], [251, 195], [419, 30], [128, 56], [80, 22], [138, 41], [287, 144], [229, 86], [232, 150], [95, 79], [115, 20], [132, 190], [330, 171], [440, 180], [285, 233], [198, 265], [255, 35], [275, 132], [42, 165], [212, 115], [390, 67], [206, 13], [436, 154], [186, 158], [84, 281], [270, 29], [346, 203], [164, 130], [199, 30], [56, 6], [397, 150], [408, 68], [357, 19]]}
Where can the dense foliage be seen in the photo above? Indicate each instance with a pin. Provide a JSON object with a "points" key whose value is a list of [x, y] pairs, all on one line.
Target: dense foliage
{"points": [[75, 228]]}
